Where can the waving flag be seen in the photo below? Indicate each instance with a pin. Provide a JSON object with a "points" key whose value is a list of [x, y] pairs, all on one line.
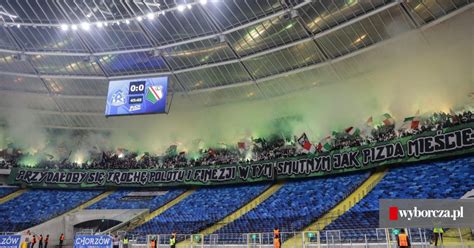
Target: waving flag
{"points": [[325, 144], [352, 131], [304, 142], [411, 122], [369, 122], [454, 117], [388, 120]]}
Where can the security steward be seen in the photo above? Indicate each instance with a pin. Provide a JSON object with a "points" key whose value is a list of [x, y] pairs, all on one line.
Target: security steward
{"points": [[40, 241], [402, 239], [276, 238], [33, 242], [438, 234], [173, 240], [125, 242], [61, 240], [153, 243]]}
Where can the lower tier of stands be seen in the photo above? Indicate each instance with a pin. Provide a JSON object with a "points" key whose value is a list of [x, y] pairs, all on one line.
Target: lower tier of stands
{"points": [[201, 209], [4, 191], [437, 180], [296, 204], [123, 199], [37, 205]]}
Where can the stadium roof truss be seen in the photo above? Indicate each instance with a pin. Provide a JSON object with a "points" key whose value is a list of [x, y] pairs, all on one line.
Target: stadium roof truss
{"points": [[214, 51]]}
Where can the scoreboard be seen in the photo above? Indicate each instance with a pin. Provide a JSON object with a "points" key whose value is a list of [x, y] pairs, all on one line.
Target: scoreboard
{"points": [[137, 96]]}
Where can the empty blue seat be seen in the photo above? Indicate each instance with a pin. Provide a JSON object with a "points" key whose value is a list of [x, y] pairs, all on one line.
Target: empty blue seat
{"points": [[450, 179], [4, 191], [116, 201], [201, 209], [37, 205], [295, 205]]}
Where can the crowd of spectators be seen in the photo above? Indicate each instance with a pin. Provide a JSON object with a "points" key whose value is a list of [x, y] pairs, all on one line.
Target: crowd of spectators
{"points": [[260, 150]]}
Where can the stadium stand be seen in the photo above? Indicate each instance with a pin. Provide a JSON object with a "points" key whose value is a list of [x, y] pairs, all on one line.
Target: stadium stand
{"points": [[37, 205], [436, 180], [201, 209], [4, 191], [116, 201], [295, 205]]}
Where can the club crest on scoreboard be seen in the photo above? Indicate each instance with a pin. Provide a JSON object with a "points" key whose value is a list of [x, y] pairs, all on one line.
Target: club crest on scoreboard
{"points": [[118, 98], [154, 93]]}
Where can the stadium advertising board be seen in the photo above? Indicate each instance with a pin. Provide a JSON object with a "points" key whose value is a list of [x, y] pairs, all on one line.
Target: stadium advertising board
{"points": [[137, 96], [93, 241], [430, 145], [10, 241]]}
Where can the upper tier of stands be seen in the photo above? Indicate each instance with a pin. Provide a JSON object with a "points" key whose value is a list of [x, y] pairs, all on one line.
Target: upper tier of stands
{"points": [[296, 204], [260, 149], [116, 200], [37, 205], [437, 180], [201, 209]]}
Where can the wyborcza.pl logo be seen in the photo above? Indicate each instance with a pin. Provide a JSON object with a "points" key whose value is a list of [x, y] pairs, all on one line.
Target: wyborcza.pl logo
{"points": [[397, 213], [409, 214]]}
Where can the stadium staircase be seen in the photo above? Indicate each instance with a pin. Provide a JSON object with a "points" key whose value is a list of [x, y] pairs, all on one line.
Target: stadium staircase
{"points": [[237, 214], [340, 208], [12, 195], [157, 212]]}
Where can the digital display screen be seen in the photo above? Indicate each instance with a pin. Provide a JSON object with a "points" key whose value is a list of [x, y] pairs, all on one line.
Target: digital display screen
{"points": [[137, 96]]}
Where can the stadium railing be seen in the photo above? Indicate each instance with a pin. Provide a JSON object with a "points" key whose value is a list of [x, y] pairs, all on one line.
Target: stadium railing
{"points": [[371, 237]]}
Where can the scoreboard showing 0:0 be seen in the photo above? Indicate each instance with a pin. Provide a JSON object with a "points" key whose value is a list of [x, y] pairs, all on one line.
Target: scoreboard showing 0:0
{"points": [[137, 87], [137, 96]]}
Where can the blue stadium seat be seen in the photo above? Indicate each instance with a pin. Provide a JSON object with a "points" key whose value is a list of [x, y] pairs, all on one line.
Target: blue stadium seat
{"points": [[116, 201], [295, 205], [437, 180], [36, 206], [201, 209], [4, 191]]}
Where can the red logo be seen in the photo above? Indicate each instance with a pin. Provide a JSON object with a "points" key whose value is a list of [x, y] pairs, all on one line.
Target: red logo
{"points": [[393, 213]]}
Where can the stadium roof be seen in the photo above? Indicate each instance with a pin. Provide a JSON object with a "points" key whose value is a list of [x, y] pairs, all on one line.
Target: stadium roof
{"points": [[57, 57]]}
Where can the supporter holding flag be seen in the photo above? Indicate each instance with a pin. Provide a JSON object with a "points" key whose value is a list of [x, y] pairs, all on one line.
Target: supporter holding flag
{"points": [[388, 121], [307, 146], [454, 117], [241, 145], [411, 123], [370, 122], [352, 131], [367, 128], [325, 144]]}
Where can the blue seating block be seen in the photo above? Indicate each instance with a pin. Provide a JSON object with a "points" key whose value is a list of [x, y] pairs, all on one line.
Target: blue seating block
{"points": [[37, 205], [436, 180], [201, 209], [115, 201], [4, 191], [296, 204]]}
